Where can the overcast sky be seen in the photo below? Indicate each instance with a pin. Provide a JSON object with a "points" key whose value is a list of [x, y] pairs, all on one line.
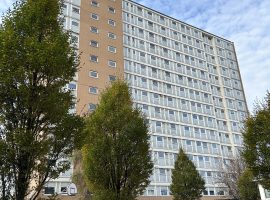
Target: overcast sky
{"points": [[245, 22]]}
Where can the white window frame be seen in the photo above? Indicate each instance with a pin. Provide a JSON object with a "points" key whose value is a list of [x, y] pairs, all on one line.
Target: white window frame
{"points": [[92, 104], [109, 49], [94, 4], [91, 56], [112, 63], [111, 22], [92, 87], [93, 28], [94, 42], [113, 77], [94, 16], [111, 11], [90, 74], [112, 34]]}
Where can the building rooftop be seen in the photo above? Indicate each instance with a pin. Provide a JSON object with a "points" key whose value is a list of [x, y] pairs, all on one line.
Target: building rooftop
{"points": [[210, 34]]}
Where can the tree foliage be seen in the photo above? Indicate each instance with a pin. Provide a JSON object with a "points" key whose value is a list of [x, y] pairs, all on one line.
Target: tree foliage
{"points": [[37, 131], [116, 158], [248, 188], [257, 142], [187, 184]]}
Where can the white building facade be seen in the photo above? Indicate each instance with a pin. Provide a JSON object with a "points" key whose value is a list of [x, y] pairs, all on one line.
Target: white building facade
{"points": [[186, 80]]}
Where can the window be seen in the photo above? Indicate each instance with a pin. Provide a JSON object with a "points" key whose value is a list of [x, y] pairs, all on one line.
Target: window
{"points": [[93, 74], [112, 35], [112, 63], [151, 35], [145, 107], [92, 107], [111, 10], [152, 46], [164, 191], [94, 43], [94, 16], [63, 190], [142, 54], [49, 190], [171, 112], [112, 49], [151, 192], [150, 24], [159, 139], [74, 23], [94, 3], [74, 39], [160, 155], [94, 58], [93, 90], [112, 78], [76, 10], [144, 93], [144, 80], [111, 22], [154, 70], [139, 9], [94, 29], [221, 192], [72, 86]]}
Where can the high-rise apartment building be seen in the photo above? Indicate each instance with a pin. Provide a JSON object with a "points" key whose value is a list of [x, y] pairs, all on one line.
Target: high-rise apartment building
{"points": [[185, 79]]}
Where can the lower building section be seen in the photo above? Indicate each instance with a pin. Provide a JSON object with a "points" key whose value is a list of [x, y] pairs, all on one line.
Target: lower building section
{"points": [[65, 197], [171, 198]]}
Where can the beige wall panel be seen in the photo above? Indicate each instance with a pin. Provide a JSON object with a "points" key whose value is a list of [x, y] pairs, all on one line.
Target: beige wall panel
{"points": [[84, 80]]}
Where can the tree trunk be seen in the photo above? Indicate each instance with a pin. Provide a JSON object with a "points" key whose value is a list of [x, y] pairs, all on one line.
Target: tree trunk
{"points": [[23, 179]]}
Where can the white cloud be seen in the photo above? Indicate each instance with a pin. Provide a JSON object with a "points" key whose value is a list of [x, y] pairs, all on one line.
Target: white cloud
{"points": [[244, 22]]}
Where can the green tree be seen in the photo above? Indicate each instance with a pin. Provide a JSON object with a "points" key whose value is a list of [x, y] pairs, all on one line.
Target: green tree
{"points": [[187, 184], [256, 137], [248, 188], [116, 158], [37, 132]]}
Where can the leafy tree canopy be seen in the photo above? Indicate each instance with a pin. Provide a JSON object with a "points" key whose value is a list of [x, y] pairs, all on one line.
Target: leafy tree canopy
{"points": [[37, 131], [256, 137], [187, 184], [247, 186], [117, 162]]}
